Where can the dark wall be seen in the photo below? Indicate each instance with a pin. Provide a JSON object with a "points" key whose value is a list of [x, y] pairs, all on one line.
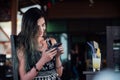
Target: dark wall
{"points": [[84, 9]]}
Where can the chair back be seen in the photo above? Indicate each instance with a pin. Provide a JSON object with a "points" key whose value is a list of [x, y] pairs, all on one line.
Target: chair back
{"points": [[13, 39]]}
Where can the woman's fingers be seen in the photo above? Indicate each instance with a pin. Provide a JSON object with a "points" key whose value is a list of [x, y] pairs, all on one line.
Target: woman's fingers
{"points": [[60, 49], [51, 53]]}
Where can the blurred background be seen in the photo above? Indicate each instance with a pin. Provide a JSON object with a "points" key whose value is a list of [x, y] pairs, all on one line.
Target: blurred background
{"points": [[72, 22]]}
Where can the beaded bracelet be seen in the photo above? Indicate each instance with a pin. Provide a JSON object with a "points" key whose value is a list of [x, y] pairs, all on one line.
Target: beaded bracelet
{"points": [[36, 68]]}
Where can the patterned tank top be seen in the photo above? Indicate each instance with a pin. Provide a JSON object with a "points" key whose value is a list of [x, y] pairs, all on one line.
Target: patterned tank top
{"points": [[48, 71]]}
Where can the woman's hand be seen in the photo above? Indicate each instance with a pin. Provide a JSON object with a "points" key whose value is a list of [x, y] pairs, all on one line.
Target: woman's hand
{"points": [[59, 51], [48, 55]]}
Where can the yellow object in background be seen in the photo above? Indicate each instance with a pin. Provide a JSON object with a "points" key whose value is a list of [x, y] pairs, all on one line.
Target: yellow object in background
{"points": [[98, 52]]}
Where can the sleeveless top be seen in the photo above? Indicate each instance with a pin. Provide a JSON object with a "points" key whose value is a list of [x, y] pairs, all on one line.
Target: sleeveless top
{"points": [[47, 72]]}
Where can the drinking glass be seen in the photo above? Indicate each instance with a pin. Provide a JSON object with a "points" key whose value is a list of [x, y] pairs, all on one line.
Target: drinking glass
{"points": [[96, 61]]}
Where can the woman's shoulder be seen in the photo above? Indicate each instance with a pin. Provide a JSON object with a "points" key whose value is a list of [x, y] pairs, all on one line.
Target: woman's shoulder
{"points": [[20, 52]]}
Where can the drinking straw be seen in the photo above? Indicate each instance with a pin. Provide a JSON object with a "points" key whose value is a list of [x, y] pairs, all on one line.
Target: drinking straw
{"points": [[91, 47]]}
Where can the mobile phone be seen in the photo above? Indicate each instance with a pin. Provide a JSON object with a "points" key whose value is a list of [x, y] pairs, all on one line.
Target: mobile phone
{"points": [[55, 46]]}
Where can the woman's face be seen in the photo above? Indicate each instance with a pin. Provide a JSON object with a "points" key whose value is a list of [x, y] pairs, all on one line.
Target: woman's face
{"points": [[42, 26]]}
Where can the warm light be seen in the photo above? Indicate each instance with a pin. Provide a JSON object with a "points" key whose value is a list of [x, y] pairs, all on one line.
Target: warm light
{"points": [[8, 55], [3, 36], [26, 8]]}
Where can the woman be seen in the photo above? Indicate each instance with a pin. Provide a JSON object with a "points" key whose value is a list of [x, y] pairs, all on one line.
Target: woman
{"points": [[36, 61]]}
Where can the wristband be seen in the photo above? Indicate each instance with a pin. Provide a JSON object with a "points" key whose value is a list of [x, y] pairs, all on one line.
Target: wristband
{"points": [[36, 68]]}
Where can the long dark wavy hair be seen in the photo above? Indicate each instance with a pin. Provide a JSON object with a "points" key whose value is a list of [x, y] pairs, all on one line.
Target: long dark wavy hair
{"points": [[27, 37]]}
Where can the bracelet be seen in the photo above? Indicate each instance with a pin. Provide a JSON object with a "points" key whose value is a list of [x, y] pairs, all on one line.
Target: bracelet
{"points": [[36, 68]]}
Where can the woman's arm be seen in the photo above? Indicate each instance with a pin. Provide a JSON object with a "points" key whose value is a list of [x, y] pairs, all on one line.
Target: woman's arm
{"points": [[22, 72], [32, 73], [59, 67]]}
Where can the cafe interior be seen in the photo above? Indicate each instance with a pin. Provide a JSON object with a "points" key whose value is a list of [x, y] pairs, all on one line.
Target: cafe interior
{"points": [[91, 25]]}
